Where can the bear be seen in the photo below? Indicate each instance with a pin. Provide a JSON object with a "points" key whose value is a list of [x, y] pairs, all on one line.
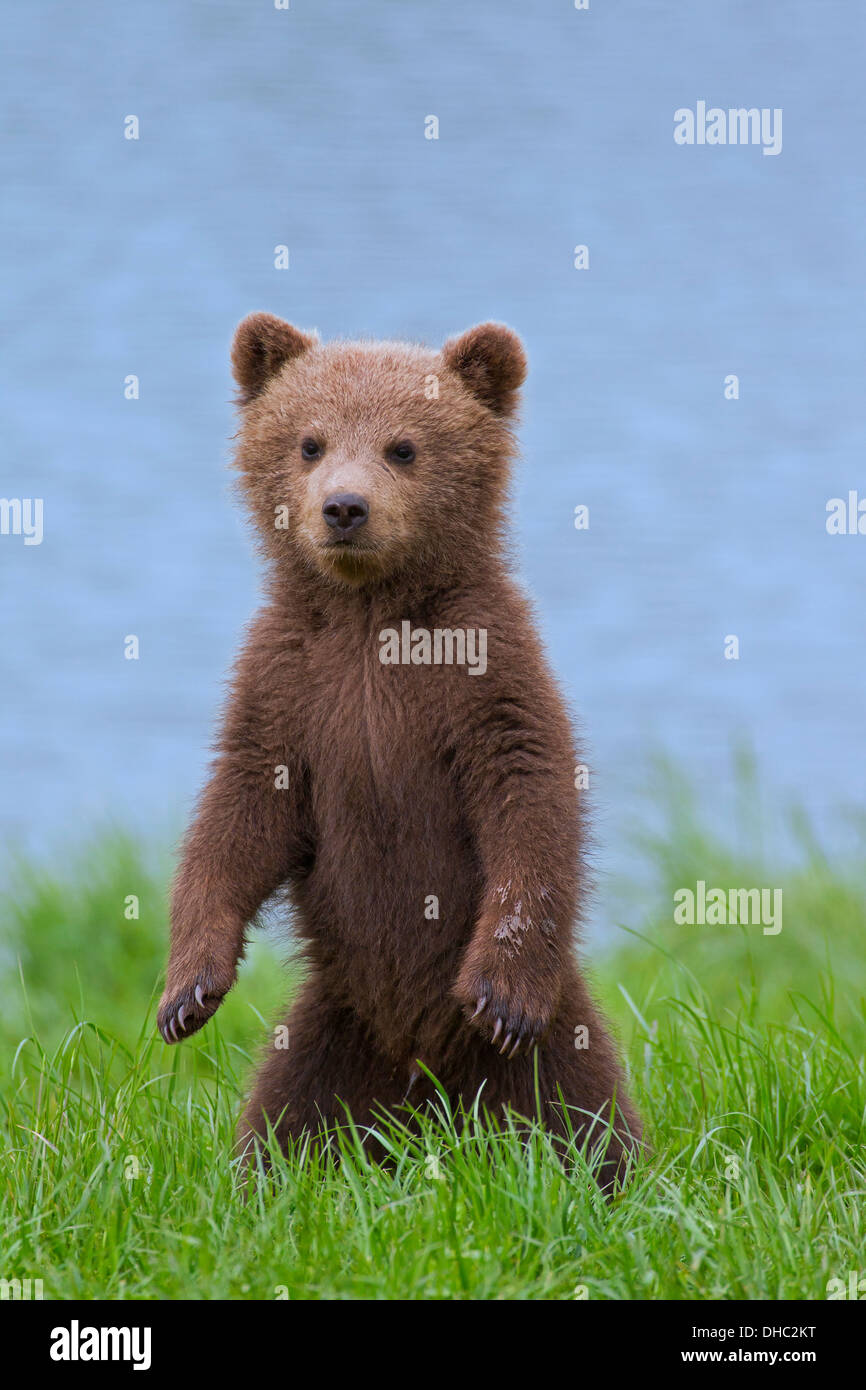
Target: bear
{"points": [[396, 758]]}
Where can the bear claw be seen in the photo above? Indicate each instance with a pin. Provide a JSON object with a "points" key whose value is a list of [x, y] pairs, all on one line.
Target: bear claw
{"points": [[510, 1028], [187, 1011]]}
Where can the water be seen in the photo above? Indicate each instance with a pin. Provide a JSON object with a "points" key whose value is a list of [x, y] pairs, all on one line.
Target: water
{"points": [[260, 127]]}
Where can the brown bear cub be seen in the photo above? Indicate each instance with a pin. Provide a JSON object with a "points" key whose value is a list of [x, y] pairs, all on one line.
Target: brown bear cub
{"points": [[396, 755]]}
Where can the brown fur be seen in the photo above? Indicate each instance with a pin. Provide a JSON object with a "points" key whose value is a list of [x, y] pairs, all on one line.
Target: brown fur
{"points": [[405, 781]]}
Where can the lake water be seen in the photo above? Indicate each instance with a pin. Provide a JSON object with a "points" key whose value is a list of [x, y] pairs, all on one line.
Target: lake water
{"points": [[306, 128]]}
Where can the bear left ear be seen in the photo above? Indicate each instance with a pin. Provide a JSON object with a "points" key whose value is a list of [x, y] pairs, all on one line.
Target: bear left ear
{"points": [[492, 364], [263, 343]]}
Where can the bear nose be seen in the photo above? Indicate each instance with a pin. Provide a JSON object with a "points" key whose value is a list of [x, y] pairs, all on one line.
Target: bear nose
{"points": [[345, 511]]}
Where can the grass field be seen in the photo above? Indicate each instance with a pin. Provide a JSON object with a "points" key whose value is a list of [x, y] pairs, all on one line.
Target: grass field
{"points": [[745, 1052]]}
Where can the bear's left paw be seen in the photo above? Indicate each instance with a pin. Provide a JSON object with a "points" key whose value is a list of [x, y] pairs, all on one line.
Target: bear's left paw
{"points": [[512, 1019]]}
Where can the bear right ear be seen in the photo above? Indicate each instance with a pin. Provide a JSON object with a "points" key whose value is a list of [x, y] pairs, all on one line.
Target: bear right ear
{"points": [[263, 344]]}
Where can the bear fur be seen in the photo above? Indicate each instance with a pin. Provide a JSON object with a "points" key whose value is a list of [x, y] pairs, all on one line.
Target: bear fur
{"points": [[422, 818]]}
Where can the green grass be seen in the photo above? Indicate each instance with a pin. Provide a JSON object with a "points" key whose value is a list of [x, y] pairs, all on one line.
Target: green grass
{"points": [[745, 1053]]}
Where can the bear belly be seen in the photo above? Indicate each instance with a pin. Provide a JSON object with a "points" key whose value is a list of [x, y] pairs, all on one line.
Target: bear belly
{"points": [[391, 899]]}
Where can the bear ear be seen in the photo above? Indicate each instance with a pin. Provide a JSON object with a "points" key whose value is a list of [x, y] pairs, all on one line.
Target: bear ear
{"points": [[263, 344], [492, 364]]}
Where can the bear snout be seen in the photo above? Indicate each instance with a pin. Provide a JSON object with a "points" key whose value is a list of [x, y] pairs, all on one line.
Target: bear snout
{"points": [[345, 512]]}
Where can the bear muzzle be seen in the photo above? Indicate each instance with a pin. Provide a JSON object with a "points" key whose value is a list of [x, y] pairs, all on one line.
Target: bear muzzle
{"points": [[345, 513]]}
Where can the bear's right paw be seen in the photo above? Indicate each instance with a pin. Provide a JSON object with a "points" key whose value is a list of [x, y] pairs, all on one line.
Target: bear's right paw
{"points": [[183, 1011]]}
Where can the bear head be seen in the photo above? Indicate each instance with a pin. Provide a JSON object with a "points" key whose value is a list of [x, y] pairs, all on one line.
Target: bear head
{"points": [[364, 463]]}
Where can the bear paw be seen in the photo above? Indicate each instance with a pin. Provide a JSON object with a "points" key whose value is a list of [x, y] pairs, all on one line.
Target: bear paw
{"points": [[183, 1011], [508, 1018]]}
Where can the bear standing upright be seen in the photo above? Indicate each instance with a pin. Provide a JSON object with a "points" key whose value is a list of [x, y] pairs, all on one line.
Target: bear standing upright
{"points": [[395, 754]]}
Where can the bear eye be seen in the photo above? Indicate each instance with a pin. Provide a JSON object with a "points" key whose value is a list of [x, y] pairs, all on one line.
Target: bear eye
{"points": [[311, 449], [404, 452]]}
